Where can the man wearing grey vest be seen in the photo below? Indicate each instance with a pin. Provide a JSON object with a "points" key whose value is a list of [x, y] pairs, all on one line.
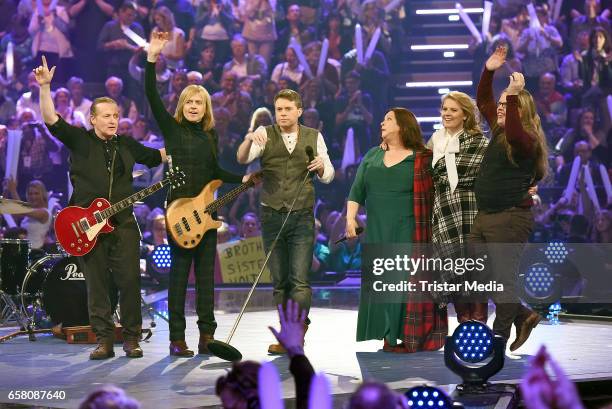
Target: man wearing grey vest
{"points": [[282, 149]]}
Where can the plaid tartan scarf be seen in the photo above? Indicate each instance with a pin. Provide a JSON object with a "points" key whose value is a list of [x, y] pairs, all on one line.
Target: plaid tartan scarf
{"points": [[423, 191], [425, 324]]}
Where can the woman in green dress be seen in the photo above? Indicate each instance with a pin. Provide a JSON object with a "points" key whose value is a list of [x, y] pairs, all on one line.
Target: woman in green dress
{"points": [[396, 188]]}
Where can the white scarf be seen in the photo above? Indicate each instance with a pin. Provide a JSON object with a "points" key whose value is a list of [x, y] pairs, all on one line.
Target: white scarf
{"points": [[446, 146]]}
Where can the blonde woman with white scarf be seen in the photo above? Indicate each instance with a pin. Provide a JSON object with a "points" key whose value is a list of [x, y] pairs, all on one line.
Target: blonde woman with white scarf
{"points": [[458, 148]]}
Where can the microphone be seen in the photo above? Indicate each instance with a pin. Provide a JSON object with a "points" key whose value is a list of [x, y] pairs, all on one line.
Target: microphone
{"points": [[310, 153], [358, 230]]}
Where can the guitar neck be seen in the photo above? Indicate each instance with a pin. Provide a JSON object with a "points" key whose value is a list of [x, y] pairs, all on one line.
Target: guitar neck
{"points": [[130, 200], [228, 197]]}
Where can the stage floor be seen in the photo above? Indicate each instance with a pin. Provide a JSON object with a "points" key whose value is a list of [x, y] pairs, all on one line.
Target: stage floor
{"points": [[161, 381]]}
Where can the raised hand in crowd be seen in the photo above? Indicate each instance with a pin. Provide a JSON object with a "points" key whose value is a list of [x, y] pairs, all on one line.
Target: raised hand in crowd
{"points": [[540, 391], [292, 330], [497, 59], [10, 188]]}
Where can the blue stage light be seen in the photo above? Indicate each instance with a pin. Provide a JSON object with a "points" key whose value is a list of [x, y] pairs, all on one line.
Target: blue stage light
{"points": [[539, 280], [161, 257], [476, 336], [556, 252], [428, 396], [474, 353]]}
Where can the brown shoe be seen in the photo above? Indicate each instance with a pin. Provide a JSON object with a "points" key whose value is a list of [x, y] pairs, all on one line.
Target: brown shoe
{"points": [[525, 329], [179, 348], [276, 349], [203, 343], [104, 350], [131, 348]]}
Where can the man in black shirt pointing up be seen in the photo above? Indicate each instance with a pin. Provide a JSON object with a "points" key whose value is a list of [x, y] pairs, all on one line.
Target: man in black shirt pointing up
{"points": [[101, 164]]}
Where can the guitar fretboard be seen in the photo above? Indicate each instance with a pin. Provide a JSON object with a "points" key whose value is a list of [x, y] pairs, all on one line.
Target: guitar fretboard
{"points": [[228, 197], [128, 201]]}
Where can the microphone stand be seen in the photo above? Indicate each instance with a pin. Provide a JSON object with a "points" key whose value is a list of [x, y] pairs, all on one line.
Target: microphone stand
{"points": [[224, 350]]}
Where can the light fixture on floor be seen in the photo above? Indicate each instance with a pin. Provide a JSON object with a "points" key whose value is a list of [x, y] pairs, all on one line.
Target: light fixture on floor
{"points": [[556, 252], [474, 353], [426, 397], [540, 286]]}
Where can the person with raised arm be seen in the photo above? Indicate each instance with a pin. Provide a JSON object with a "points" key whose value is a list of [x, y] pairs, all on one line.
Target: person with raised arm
{"points": [[101, 164], [191, 140], [515, 160]]}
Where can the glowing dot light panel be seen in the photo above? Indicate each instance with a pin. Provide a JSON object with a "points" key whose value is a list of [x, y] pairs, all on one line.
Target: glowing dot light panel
{"points": [[539, 280], [472, 342], [428, 397], [161, 256], [556, 252]]}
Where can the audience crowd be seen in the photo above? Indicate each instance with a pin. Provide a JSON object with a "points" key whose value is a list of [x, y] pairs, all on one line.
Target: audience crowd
{"points": [[243, 52]]}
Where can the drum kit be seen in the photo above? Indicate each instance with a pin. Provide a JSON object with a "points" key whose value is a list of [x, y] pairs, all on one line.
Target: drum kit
{"points": [[42, 290], [38, 290]]}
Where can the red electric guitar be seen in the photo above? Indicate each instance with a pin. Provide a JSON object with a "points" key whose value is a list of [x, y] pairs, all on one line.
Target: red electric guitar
{"points": [[77, 228]]}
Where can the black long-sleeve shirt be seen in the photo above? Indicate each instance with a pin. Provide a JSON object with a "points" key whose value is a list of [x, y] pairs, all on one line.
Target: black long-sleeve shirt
{"points": [[88, 166], [192, 149]]}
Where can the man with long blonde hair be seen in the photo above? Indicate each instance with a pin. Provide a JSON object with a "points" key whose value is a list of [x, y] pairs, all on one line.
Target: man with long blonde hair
{"points": [[191, 140], [515, 159]]}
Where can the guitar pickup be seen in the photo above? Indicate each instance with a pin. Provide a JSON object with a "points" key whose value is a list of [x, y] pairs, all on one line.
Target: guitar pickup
{"points": [[197, 216], [186, 224], [179, 229], [84, 224], [98, 217]]}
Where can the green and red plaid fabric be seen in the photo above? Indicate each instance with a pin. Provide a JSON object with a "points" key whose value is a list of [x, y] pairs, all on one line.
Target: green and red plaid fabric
{"points": [[425, 324]]}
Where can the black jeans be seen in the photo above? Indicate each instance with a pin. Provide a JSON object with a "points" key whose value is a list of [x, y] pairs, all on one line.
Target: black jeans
{"points": [[292, 257], [505, 234], [203, 256], [114, 263]]}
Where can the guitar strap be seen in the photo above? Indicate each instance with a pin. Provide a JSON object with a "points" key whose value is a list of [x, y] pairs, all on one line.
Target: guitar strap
{"points": [[112, 174]]}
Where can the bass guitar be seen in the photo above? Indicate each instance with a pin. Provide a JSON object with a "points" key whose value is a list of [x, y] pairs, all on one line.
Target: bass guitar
{"points": [[187, 219]]}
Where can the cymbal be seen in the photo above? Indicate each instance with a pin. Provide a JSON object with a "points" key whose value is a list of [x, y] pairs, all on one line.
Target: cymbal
{"points": [[10, 206]]}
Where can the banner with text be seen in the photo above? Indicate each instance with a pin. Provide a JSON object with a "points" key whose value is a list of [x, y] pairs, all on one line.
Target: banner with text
{"points": [[240, 261]]}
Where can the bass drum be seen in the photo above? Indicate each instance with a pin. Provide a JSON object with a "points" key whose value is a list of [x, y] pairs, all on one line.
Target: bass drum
{"points": [[56, 284], [14, 257]]}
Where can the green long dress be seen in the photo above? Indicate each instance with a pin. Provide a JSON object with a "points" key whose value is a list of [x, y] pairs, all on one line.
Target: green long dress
{"points": [[387, 193]]}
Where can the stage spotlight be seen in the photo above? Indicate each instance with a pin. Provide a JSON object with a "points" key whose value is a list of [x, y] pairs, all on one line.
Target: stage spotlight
{"points": [[539, 280], [424, 397], [540, 285], [474, 353], [473, 343], [555, 252], [161, 258]]}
